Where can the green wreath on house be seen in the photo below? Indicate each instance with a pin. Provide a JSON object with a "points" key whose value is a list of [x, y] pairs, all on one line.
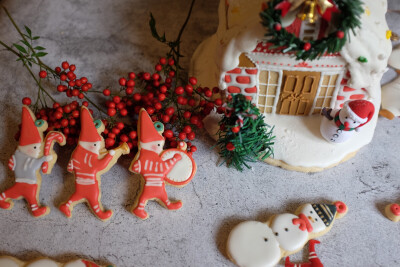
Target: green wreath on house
{"points": [[348, 12]]}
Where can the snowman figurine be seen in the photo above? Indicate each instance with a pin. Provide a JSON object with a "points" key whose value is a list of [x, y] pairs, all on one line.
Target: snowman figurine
{"points": [[338, 125]]}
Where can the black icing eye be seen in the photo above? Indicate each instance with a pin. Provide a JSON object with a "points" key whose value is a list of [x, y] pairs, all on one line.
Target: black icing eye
{"points": [[276, 234], [34, 147], [94, 144], [316, 219], [311, 212], [354, 121], [159, 145], [286, 229], [266, 239], [347, 118]]}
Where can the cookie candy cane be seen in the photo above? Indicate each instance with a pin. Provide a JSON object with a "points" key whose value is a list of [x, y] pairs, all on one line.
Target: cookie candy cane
{"points": [[49, 141], [7, 261]]}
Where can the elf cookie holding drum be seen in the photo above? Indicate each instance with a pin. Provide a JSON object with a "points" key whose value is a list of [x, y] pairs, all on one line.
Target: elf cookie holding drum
{"points": [[156, 167], [34, 153]]}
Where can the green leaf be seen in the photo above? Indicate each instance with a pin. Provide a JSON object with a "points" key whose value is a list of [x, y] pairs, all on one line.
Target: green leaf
{"points": [[40, 54], [152, 24], [28, 31], [35, 37], [25, 43], [39, 48], [20, 48]]}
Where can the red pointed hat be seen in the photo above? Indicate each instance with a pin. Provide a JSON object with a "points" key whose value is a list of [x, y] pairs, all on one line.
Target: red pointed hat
{"points": [[147, 131], [88, 129], [29, 132], [361, 109]]}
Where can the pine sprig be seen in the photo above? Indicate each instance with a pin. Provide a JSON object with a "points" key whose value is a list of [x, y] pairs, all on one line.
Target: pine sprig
{"points": [[348, 19], [244, 136]]}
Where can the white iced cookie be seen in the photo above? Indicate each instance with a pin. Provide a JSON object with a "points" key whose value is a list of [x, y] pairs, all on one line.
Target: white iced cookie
{"points": [[7, 261], [253, 244], [264, 244]]}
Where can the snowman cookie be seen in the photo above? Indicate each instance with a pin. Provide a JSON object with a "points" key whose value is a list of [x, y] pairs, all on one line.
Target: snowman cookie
{"points": [[260, 244], [7, 261], [88, 162], [392, 211], [34, 155], [338, 126]]}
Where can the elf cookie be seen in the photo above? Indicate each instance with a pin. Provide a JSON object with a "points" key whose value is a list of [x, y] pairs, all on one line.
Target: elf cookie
{"points": [[263, 244], [7, 261], [33, 154], [88, 162], [156, 167], [338, 126], [312, 257], [392, 211]]}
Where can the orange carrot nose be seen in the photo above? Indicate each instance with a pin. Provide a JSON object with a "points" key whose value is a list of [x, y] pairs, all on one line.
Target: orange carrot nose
{"points": [[346, 124]]}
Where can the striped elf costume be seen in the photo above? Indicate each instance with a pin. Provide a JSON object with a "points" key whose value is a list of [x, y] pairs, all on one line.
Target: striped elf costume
{"points": [[151, 167], [85, 164], [314, 261], [26, 164]]}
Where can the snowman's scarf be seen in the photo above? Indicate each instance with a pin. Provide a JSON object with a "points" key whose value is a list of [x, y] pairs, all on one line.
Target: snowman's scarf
{"points": [[340, 125]]}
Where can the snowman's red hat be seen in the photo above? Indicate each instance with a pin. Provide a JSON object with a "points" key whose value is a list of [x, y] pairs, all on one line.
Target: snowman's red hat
{"points": [[88, 129], [29, 130], [360, 110], [147, 131]]}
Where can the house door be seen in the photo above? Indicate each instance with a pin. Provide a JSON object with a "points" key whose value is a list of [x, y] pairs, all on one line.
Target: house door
{"points": [[298, 91]]}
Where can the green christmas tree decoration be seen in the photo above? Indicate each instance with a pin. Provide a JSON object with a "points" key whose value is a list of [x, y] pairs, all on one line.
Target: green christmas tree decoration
{"points": [[244, 137]]}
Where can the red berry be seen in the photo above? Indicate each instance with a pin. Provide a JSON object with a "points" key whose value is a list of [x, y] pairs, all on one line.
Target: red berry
{"points": [[161, 97], [111, 112], [182, 135], [130, 83], [340, 34], [65, 65], [187, 129], [78, 83], [116, 130], [187, 114], [42, 74], [84, 80], [129, 90], [71, 76], [189, 89], [168, 133], [71, 83], [158, 67], [165, 118], [277, 27], [235, 129], [150, 110], [158, 106], [116, 99], [208, 93], [191, 136], [192, 102], [57, 69], [110, 104], [124, 138], [72, 67], [72, 122], [64, 122], [170, 111], [58, 115], [163, 89], [146, 76], [171, 74], [122, 81], [67, 109], [193, 80], [131, 75], [75, 92], [179, 90], [63, 77], [218, 102], [75, 113], [106, 92], [26, 101], [120, 125], [56, 105], [133, 135], [171, 62], [230, 146], [156, 76], [194, 120], [81, 96], [123, 112], [111, 135], [163, 61], [193, 149], [109, 142], [307, 46], [137, 97], [85, 103]]}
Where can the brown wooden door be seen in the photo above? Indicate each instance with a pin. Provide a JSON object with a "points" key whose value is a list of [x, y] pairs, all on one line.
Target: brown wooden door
{"points": [[298, 91]]}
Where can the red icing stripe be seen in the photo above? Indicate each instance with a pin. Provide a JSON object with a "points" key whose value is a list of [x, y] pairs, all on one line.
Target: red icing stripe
{"points": [[343, 82], [251, 71], [227, 78], [249, 97], [243, 79], [348, 89], [251, 90], [360, 96], [237, 70], [340, 97], [234, 89]]}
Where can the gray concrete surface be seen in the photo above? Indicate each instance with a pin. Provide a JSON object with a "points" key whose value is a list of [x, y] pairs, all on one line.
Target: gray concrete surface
{"points": [[107, 39]]}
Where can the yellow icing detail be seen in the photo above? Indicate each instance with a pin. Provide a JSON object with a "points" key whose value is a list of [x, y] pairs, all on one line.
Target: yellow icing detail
{"points": [[367, 11], [235, 10], [388, 34]]}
